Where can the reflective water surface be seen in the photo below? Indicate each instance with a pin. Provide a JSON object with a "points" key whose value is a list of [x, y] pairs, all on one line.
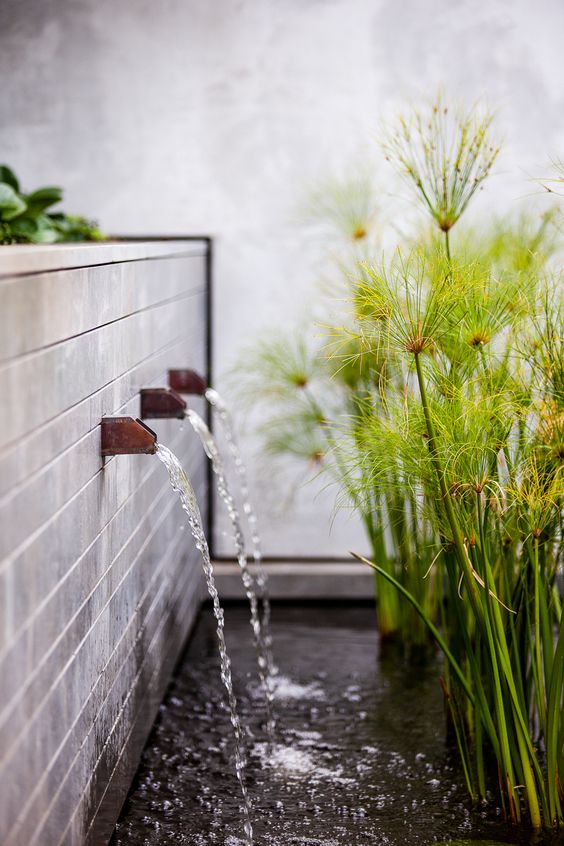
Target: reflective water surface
{"points": [[359, 758]]}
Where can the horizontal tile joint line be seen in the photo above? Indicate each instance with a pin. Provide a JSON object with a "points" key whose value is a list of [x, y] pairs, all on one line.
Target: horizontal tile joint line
{"points": [[10, 362], [169, 256]]}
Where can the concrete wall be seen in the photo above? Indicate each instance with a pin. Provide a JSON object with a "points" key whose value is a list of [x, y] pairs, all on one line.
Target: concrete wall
{"points": [[184, 116], [99, 583]]}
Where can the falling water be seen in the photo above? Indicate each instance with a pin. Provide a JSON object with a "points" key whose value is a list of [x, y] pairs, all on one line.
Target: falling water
{"points": [[218, 404], [182, 486], [210, 446]]}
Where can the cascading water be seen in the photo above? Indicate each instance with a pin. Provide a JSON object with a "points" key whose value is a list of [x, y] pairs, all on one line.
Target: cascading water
{"points": [[182, 486], [210, 447], [217, 402]]}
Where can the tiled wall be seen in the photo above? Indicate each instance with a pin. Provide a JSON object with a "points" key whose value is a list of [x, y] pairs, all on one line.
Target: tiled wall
{"points": [[99, 580]]}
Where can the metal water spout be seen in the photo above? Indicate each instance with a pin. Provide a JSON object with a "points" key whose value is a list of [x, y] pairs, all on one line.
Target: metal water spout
{"points": [[126, 436], [161, 403], [187, 382]]}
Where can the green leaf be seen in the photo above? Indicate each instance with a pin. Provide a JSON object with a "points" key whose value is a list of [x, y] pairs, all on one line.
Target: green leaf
{"points": [[7, 175], [76, 228], [46, 232], [39, 230], [41, 199], [11, 204]]}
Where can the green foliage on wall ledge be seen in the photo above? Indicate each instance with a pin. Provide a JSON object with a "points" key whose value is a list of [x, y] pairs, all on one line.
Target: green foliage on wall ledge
{"points": [[26, 219]]}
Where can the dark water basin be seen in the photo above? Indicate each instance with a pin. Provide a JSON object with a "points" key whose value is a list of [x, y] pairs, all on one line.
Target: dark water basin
{"points": [[360, 754]]}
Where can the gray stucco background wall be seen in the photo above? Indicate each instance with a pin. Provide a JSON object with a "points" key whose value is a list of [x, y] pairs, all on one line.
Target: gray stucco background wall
{"points": [[190, 116]]}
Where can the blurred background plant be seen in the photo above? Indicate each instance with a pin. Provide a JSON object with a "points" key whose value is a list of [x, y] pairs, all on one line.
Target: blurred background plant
{"points": [[27, 218], [555, 183], [437, 406]]}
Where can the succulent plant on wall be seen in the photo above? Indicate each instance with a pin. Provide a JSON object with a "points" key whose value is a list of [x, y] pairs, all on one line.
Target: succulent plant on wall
{"points": [[27, 219]]}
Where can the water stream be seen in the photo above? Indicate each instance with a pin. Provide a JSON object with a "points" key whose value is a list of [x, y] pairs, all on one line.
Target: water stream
{"points": [[218, 404], [262, 648], [182, 486]]}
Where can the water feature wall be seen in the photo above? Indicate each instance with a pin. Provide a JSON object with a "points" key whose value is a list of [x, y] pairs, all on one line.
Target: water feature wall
{"points": [[99, 582]]}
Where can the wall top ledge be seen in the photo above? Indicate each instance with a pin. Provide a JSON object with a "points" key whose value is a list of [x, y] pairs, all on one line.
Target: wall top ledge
{"points": [[22, 259]]}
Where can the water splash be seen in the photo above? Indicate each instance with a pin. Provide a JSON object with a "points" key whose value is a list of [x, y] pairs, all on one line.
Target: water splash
{"points": [[292, 762], [285, 689], [182, 486], [216, 401], [210, 446]]}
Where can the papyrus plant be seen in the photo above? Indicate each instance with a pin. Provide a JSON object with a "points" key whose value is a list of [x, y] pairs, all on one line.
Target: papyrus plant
{"points": [[480, 432], [445, 155], [480, 437]]}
